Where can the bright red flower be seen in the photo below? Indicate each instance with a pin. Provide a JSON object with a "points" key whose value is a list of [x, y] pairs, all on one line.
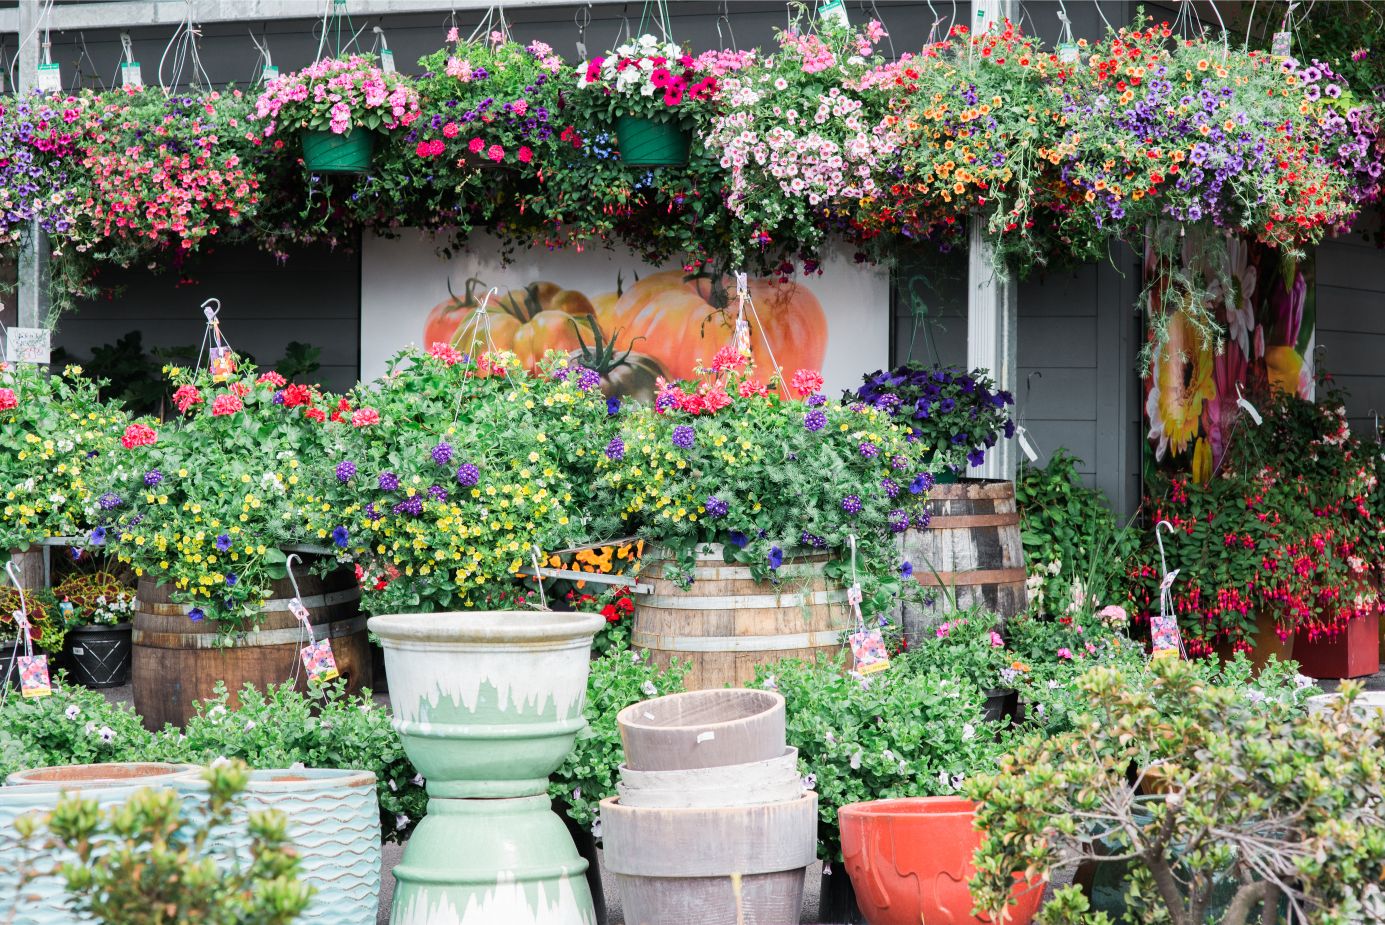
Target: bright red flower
{"points": [[8, 399], [365, 417], [225, 404], [138, 435], [273, 379], [297, 394], [186, 396], [806, 382]]}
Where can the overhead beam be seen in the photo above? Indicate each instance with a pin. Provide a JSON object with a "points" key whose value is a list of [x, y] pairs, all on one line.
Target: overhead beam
{"points": [[126, 13]]}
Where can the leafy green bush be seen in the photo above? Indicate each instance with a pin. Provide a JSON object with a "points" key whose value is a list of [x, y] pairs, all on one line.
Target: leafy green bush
{"points": [[1076, 552], [73, 726], [1231, 789], [967, 646], [619, 678], [896, 733], [145, 863]]}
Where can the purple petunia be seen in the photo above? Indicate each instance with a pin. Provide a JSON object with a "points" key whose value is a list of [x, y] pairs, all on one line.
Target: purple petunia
{"points": [[921, 483], [814, 420], [346, 471], [683, 436], [468, 475], [906, 569], [442, 453], [223, 543], [196, 614], [341, 537], [716, 507], [615, 450], [388, 481], [776, 557]]}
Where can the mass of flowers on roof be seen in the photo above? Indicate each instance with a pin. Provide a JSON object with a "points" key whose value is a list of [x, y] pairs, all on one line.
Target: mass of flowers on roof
{"points": [[817, 137]]}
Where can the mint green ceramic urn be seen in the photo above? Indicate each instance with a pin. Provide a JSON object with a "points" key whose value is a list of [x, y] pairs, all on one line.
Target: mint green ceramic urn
{"points": [[488, 704]]}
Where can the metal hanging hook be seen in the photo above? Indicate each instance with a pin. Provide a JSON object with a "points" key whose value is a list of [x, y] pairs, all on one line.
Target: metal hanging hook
{"points": [[209, 312], [1158, 538], [288, 567]]}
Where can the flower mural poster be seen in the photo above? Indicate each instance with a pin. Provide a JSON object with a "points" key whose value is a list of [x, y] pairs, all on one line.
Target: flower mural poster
{"points": [[1200, 387]]}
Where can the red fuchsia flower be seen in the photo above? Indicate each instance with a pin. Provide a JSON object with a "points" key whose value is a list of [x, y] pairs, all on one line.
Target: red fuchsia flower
{"points": [[495, 153], [185, 397], [138, 435], [273, 379], [8, 400], [806, 381], [365, 417], [476, 146], [226, 404], [449, 354], [526, 154], [315, 414], [297, 394]]}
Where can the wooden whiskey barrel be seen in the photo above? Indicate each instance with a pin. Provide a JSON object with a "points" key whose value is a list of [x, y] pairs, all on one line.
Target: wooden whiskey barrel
{"points": [[726, 623], [178, 662], [971, 551]]}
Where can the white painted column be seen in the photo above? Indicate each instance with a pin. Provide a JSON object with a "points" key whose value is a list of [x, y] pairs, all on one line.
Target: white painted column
{"points": [[992, 304], [33, 249]]}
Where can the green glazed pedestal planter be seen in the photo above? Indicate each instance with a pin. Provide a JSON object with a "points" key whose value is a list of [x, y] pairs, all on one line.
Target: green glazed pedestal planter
{"points": [[487, 705]]}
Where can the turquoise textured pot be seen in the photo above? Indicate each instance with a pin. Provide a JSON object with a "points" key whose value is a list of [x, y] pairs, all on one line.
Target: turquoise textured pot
{"points": [[488, 704], [334, 822]]}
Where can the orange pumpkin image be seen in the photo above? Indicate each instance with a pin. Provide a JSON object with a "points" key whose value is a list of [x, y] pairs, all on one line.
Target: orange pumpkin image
{"points": [[675, 323]]}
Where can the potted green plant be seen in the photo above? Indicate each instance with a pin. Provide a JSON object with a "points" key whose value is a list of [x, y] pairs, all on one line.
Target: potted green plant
{"points": [[968, 645], [1242, 818], [98, 608], [648, 89], [336, 106]]}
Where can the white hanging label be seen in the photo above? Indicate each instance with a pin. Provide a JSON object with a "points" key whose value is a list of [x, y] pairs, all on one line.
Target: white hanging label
{"points": [[582, 51], [130, 75], [1250, 410], [28, 345], [834, 11], [50, 78], [1067, 52], [1023, 436], [387, 61], [270, 72]]}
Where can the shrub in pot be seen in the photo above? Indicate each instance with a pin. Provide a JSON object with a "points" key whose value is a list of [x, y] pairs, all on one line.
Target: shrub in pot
{"points": [[1284, 805]]}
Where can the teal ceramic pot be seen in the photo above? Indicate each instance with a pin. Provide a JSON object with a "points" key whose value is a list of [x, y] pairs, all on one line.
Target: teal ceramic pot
{"points": [[487, 703], [519, 867], [44, 900], [334, 822]]}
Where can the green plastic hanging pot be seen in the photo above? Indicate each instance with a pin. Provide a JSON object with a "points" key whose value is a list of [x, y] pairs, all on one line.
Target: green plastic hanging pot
{"points": [[645, 142], [328, 152]]}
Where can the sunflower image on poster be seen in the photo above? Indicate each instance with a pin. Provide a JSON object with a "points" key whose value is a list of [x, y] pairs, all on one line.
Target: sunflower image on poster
{"points": [[1264, 305], [661, 326]]}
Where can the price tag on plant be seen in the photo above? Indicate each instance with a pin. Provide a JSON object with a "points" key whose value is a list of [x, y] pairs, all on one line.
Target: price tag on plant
{"points": [[319, 661], [269, 72], [834, 11], [50, 78], [130, 74], [1167, 640], [1279, 45], [33, 676], [1067, 52], [1023, 436], [387, 61], [300, 613], [868, 647], [223, 363], [28, 345]]}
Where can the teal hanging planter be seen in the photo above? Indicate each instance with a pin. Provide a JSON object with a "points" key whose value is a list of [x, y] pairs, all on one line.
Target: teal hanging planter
{"points": [[646, 142], [328, 152]]}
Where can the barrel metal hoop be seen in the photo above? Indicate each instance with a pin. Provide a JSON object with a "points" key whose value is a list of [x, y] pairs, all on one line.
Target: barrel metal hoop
{"points": [[331, 599], [815, 640], [288, 636], [741, 601]]}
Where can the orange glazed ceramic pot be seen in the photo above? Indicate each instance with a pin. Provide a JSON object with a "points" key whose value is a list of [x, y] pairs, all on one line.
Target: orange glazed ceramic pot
{"points": [[910, 862]]}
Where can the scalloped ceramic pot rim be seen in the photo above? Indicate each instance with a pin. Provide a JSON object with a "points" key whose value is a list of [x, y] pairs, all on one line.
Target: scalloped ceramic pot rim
{"points": [[486, 627]]}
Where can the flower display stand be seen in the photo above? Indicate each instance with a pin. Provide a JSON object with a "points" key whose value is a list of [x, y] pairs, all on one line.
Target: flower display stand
{"points": [[488, 704], [1352, 653]]}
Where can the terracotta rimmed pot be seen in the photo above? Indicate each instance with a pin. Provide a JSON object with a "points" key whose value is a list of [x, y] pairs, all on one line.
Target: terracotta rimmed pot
{"points": [[487, 705], [334, 825], [137, 773], [910, 861], [702, 729]]}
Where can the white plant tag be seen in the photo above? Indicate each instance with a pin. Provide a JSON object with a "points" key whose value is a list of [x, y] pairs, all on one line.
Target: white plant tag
{"points": [[1067, 52], [707, 736], [50, 78], [270, 72], [834, 11], [28, 345], [130, 75], [1022, 436], [1247, 407], [387, 61]]}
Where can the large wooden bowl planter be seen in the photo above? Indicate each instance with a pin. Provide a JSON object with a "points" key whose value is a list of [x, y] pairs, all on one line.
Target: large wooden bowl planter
{"points": [[487, 705], [703, 729], [334, 825], [45, 898], [726, 623], [1352, 653], [178, 662], [971, 549], [910, 861]]}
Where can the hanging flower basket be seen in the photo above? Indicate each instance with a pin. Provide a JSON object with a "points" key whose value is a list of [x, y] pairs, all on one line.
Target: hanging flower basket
{"points": [[646, 142], [328, 152]]}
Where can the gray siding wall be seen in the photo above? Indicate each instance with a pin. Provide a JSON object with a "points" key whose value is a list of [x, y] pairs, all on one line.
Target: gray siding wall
{"points": [[1351, 324]]}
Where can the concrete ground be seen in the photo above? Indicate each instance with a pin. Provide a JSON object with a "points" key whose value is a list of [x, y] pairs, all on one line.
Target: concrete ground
{"points": [[392, 853]]}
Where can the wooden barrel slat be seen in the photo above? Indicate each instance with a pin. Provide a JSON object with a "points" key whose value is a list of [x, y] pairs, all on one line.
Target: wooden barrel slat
{"points": [[972, 546], [726, 624], [176, 662]]}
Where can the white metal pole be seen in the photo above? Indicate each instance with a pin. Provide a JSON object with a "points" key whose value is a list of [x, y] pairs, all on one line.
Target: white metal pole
{"points": [[33, 249], [992, 303]]}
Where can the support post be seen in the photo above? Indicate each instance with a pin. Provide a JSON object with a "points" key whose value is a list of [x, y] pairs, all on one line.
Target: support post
{"points": [[33, 248], [992, 303]]}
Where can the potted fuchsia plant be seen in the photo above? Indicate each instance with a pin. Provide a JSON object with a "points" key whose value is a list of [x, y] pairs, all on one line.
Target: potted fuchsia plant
{"points": [[337, 105], [650, 90]]}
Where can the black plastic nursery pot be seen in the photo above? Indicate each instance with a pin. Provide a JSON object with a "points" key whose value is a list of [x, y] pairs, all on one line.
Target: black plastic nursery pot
{"points": [[98, 656]]}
